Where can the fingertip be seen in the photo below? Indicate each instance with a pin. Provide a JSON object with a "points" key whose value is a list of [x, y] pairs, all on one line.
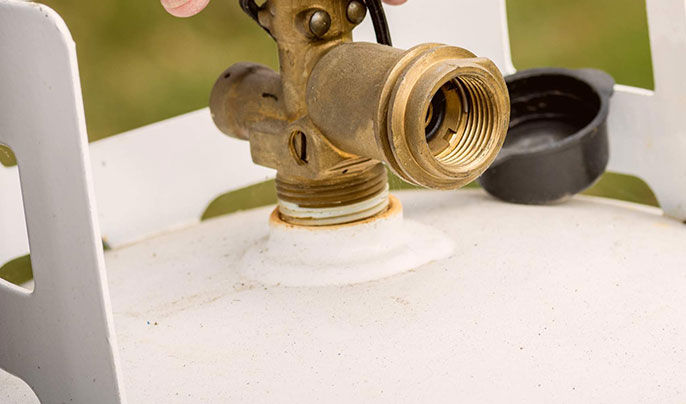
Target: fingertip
{"points": [[184, 8]]}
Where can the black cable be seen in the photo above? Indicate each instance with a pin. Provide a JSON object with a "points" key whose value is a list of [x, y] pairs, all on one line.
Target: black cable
{"points": [[383, 33], [250, 8]]}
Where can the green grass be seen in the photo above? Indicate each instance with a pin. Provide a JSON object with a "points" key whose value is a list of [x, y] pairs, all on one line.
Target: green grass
{"points": [[17, 271], [139, 65], [606, 34]]}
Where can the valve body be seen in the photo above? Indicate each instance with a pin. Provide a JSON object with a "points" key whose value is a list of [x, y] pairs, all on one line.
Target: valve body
{"points": [[339, 110]]}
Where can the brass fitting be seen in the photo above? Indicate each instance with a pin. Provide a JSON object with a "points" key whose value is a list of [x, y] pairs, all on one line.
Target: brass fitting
{"points": [[436, 115]]}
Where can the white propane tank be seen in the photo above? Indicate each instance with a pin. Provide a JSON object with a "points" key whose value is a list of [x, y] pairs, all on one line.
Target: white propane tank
{"points": [[450, 296], [579, 302]]}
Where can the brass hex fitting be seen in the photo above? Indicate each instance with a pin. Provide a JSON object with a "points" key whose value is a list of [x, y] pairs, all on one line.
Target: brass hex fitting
{"points": [[436, 115]]}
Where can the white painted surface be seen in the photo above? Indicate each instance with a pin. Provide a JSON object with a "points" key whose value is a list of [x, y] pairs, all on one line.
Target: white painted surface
{"points": [[163, 176], [147, 181], [13, 390], [14, 241], [59, 339], [343, 255], [580, 302], [647, 131]]}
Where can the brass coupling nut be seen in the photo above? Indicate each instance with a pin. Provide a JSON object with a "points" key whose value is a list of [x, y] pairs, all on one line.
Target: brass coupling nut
{"points": [[436, 115]]}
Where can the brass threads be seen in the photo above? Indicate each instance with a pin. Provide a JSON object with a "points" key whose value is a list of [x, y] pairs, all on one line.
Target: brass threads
{"points": [[336, 191], [394, 207], [444, 127], [336, 215], [476, 131]]}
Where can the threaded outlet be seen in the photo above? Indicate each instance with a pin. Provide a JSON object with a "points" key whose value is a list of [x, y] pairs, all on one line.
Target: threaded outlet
{"points": [[447, 116], [347, 198], [467, 130]]}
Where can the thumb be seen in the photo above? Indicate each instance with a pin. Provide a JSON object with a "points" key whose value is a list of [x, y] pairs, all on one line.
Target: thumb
{"points": [[184, 8]]}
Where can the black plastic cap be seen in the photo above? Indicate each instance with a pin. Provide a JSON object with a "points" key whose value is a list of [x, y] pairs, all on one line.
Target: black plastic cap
{"points": [[557, 144]]}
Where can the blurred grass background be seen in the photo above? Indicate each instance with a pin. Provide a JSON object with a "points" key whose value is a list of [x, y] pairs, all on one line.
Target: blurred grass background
{"points": [[140, 65]]}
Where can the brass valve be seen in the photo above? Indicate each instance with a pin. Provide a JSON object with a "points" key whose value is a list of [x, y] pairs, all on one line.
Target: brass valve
{"points": [[436, 115]]}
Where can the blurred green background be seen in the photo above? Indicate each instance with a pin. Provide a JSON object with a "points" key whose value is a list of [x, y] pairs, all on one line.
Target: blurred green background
{"points": [[140, 65]]}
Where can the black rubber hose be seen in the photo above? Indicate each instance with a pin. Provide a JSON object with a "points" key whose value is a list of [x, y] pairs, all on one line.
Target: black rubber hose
{"points": [[383, 33], [250, 8]]}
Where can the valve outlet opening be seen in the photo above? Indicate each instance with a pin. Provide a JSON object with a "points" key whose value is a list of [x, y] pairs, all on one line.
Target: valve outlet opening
{"points": [[461, 122]]}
